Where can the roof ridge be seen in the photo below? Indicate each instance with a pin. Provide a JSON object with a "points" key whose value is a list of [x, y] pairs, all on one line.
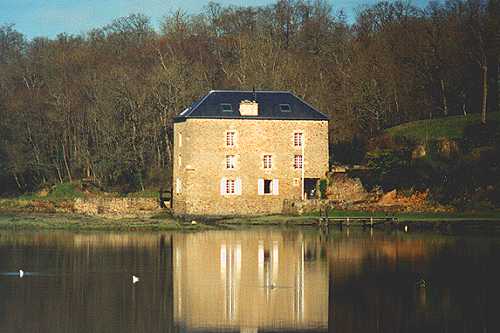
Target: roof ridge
{"points": [[205, 107], [251, 91], [309, 105]]}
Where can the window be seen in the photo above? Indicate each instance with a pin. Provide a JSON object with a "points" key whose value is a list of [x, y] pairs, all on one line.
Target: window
{"points": [[230, 186], [226, 107], [268, 161], [298, 139], [297, 162], [179, 160], [285, 108], [180, 139], [230, 161], [268, 186], [230, 138], [178, 186]]}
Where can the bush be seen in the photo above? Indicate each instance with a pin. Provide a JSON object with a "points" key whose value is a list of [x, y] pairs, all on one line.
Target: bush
{"points": [[65, 191], [388, 168], [348, 152], [477, 135], [323, 184]]}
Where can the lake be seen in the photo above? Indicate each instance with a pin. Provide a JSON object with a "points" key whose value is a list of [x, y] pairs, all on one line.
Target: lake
{"points": [[252, 280]]}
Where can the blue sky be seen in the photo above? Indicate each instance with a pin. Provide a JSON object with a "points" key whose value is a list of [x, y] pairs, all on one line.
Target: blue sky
{"points": [[50, 17]]}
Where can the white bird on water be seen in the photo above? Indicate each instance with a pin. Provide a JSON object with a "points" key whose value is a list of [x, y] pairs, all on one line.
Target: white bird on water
{"points": [[21, 273], [135, 279]]}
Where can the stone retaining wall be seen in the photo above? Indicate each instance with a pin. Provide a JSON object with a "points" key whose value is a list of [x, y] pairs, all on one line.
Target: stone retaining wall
{"points": [[117, 207], [299, 207]]}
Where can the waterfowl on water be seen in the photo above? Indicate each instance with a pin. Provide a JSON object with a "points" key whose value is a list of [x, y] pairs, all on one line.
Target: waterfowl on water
{"points": [[421, 283]]}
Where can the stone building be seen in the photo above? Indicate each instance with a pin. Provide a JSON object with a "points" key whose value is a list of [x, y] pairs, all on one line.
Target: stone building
{"points": [[244, 153]]}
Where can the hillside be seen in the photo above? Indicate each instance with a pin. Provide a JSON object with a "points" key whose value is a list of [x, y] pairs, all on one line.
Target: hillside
{"points": [[456, 160], [450, 127]]}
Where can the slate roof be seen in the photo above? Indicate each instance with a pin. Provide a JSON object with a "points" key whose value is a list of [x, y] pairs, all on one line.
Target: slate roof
{"points": [[210, 106]]}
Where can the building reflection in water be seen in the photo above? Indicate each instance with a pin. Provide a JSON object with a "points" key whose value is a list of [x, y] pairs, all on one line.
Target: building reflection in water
{"points": [[249, 282]]}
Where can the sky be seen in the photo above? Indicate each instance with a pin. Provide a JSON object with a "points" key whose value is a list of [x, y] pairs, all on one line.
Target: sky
{"points": [[48, 18]]}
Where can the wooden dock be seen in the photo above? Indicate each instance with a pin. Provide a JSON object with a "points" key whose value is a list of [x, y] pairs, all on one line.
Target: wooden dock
{"points": [[363, 221]]}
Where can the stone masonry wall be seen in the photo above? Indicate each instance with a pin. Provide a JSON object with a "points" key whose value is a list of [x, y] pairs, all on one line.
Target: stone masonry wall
{"points": [[199, 163], [117, 207]]}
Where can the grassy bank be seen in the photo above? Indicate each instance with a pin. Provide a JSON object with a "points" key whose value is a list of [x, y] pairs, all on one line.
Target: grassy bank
{"points": [[449, 127], [61, 221], [493, 216], [19, 214]]}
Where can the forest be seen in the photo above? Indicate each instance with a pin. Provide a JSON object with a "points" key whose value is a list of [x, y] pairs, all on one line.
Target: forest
{"points": [[100, 105]]}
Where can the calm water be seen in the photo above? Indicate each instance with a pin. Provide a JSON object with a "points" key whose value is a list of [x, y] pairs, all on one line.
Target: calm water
{"points": [[256, 280]]}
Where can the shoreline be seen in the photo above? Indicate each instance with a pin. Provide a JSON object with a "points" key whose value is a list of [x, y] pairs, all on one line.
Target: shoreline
{"points": [[79, 222], [164, 221]]}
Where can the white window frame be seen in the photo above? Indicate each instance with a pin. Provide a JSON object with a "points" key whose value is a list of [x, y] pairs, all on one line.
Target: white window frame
{"points": [[298, 162], [267, 161], [230, 142], [226, 104], [286, 106], [298, 142], [230, 186], [230, 162]]}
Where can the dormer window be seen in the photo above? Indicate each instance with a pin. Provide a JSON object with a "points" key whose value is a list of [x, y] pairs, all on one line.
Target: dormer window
{"points": [[226, 107], [285, 108]]}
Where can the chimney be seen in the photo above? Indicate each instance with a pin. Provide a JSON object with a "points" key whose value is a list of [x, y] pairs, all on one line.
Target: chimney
{"points": [[249, 108]]}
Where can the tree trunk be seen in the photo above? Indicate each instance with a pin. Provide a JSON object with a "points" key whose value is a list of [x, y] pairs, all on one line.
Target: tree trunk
{"points": [[59, 172], [66, 162], [485, 94], [493, 84], [17, 182], [445, 101]]}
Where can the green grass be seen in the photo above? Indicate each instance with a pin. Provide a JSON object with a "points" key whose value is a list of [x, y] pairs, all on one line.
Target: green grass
{"points": [[144, 194], [63, 191], [450, 127], [417, 216], [165, 222], [402, 216], [42, 221]]}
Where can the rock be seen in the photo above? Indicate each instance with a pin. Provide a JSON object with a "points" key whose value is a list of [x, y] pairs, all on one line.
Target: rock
{"points": [[447, 148], [389, 198], [43, 192], [418, 152], [346, 189]]}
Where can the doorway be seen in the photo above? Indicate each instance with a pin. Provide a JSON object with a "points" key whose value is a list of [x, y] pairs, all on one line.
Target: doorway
{"points": [[310, 187]]}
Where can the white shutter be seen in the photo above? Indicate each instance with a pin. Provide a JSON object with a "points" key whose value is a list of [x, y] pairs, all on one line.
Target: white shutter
{"points": [[223, 186], [275, 186], [178, 186], [237, 185], [261, 186]]}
